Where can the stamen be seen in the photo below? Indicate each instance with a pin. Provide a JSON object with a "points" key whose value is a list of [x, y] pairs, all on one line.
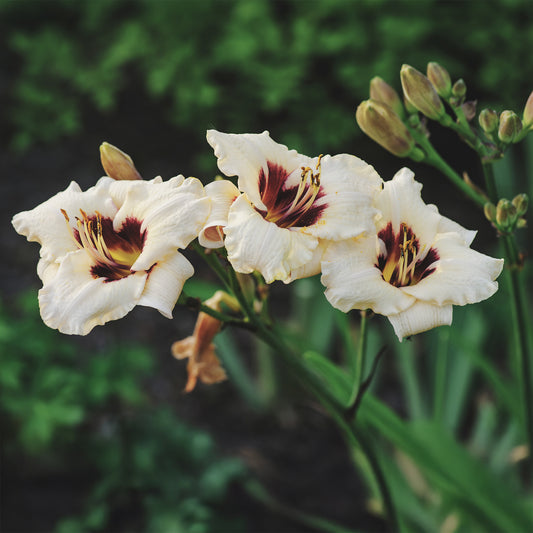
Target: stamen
{"points": [[90, 237], [304, 202], [402, 260]]}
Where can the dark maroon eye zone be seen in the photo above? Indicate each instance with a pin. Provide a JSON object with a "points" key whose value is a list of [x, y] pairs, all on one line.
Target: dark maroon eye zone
{"points": [[292, 206], [404, 262], [113, 252]]}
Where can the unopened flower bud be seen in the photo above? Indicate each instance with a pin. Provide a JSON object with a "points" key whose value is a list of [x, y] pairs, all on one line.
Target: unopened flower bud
{"points": [[528, 113], [385, 127], [488, 120], [421, 93], [505, 213], [440, 79], [521, 202], [459, 88], [117, 164], [409, 107], [381, 91], [469, 109], [203, 363], [510, 126], [490, 211]]}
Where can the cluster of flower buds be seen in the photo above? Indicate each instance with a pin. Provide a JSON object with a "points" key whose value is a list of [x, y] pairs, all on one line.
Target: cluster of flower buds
{"points": [[508, 127], [382, 119], [390, 121], [508, 215]]}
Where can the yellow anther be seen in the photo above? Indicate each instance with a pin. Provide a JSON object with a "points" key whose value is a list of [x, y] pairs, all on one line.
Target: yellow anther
{"points": [[98, 224], [64, 213]]}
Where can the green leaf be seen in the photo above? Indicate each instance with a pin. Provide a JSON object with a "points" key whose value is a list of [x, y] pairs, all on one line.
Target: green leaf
{"points": [[336, 379], [461, 478]]}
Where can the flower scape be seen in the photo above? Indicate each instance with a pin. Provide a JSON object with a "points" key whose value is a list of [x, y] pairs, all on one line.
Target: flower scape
{"points": [[377, 244]]}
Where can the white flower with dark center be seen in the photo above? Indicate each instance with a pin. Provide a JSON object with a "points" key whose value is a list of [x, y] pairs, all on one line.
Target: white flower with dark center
{"points": [[413, 267], [112, 247], [287, 207]]}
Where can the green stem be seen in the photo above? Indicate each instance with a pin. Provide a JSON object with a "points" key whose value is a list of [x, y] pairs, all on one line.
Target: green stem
{"points": [[441, 373], [336, 411], [308, 378], [257, 491], [462, 128], [434, 159], [212, 260], [197, 305], [520, 322], [359, 367]]}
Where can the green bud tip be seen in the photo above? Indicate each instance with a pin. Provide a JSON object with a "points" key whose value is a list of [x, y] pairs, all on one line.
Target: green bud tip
{"points": [[528, 113], [521, 203], [490, 211], [440, 79], [505, 213], [459, 89], [419, 91], [385, 127], [488, 120], [510, 126], [117, 164], [381, 91]]}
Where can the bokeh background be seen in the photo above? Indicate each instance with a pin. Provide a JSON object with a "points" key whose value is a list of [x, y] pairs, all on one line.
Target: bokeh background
{"points": [[96, 433]]}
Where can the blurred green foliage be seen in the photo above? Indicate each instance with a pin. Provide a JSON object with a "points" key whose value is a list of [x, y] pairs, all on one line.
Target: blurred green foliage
{"points": [[149, 470], [244, 66]]}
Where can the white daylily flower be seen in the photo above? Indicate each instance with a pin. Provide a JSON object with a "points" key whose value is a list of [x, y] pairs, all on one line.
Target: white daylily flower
{"points": [[413, 267], [286, 206], [112, 247]]}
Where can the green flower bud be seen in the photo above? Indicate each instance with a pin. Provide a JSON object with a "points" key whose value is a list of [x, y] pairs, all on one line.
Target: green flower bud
{"points": [[528, 113], [419, 91], [510, 126], [385, 127], [505, 214], [410, 108], [521, 202], [488, 120], [381, 91], [117, 164], [440, 79], [490, 211], [459, 88]]}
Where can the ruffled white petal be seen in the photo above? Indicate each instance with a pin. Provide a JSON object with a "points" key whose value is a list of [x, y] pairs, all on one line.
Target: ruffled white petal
{"points": [[222, 194], [119, 189], [255, 244], [46, 270], [449, 226], [173, 213], [400, 201], [353, 281], [313, 266], [349, 186], [74, 302], [421, 316], [244, 155], [463, 276], [165, 282], [46, 224]]}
